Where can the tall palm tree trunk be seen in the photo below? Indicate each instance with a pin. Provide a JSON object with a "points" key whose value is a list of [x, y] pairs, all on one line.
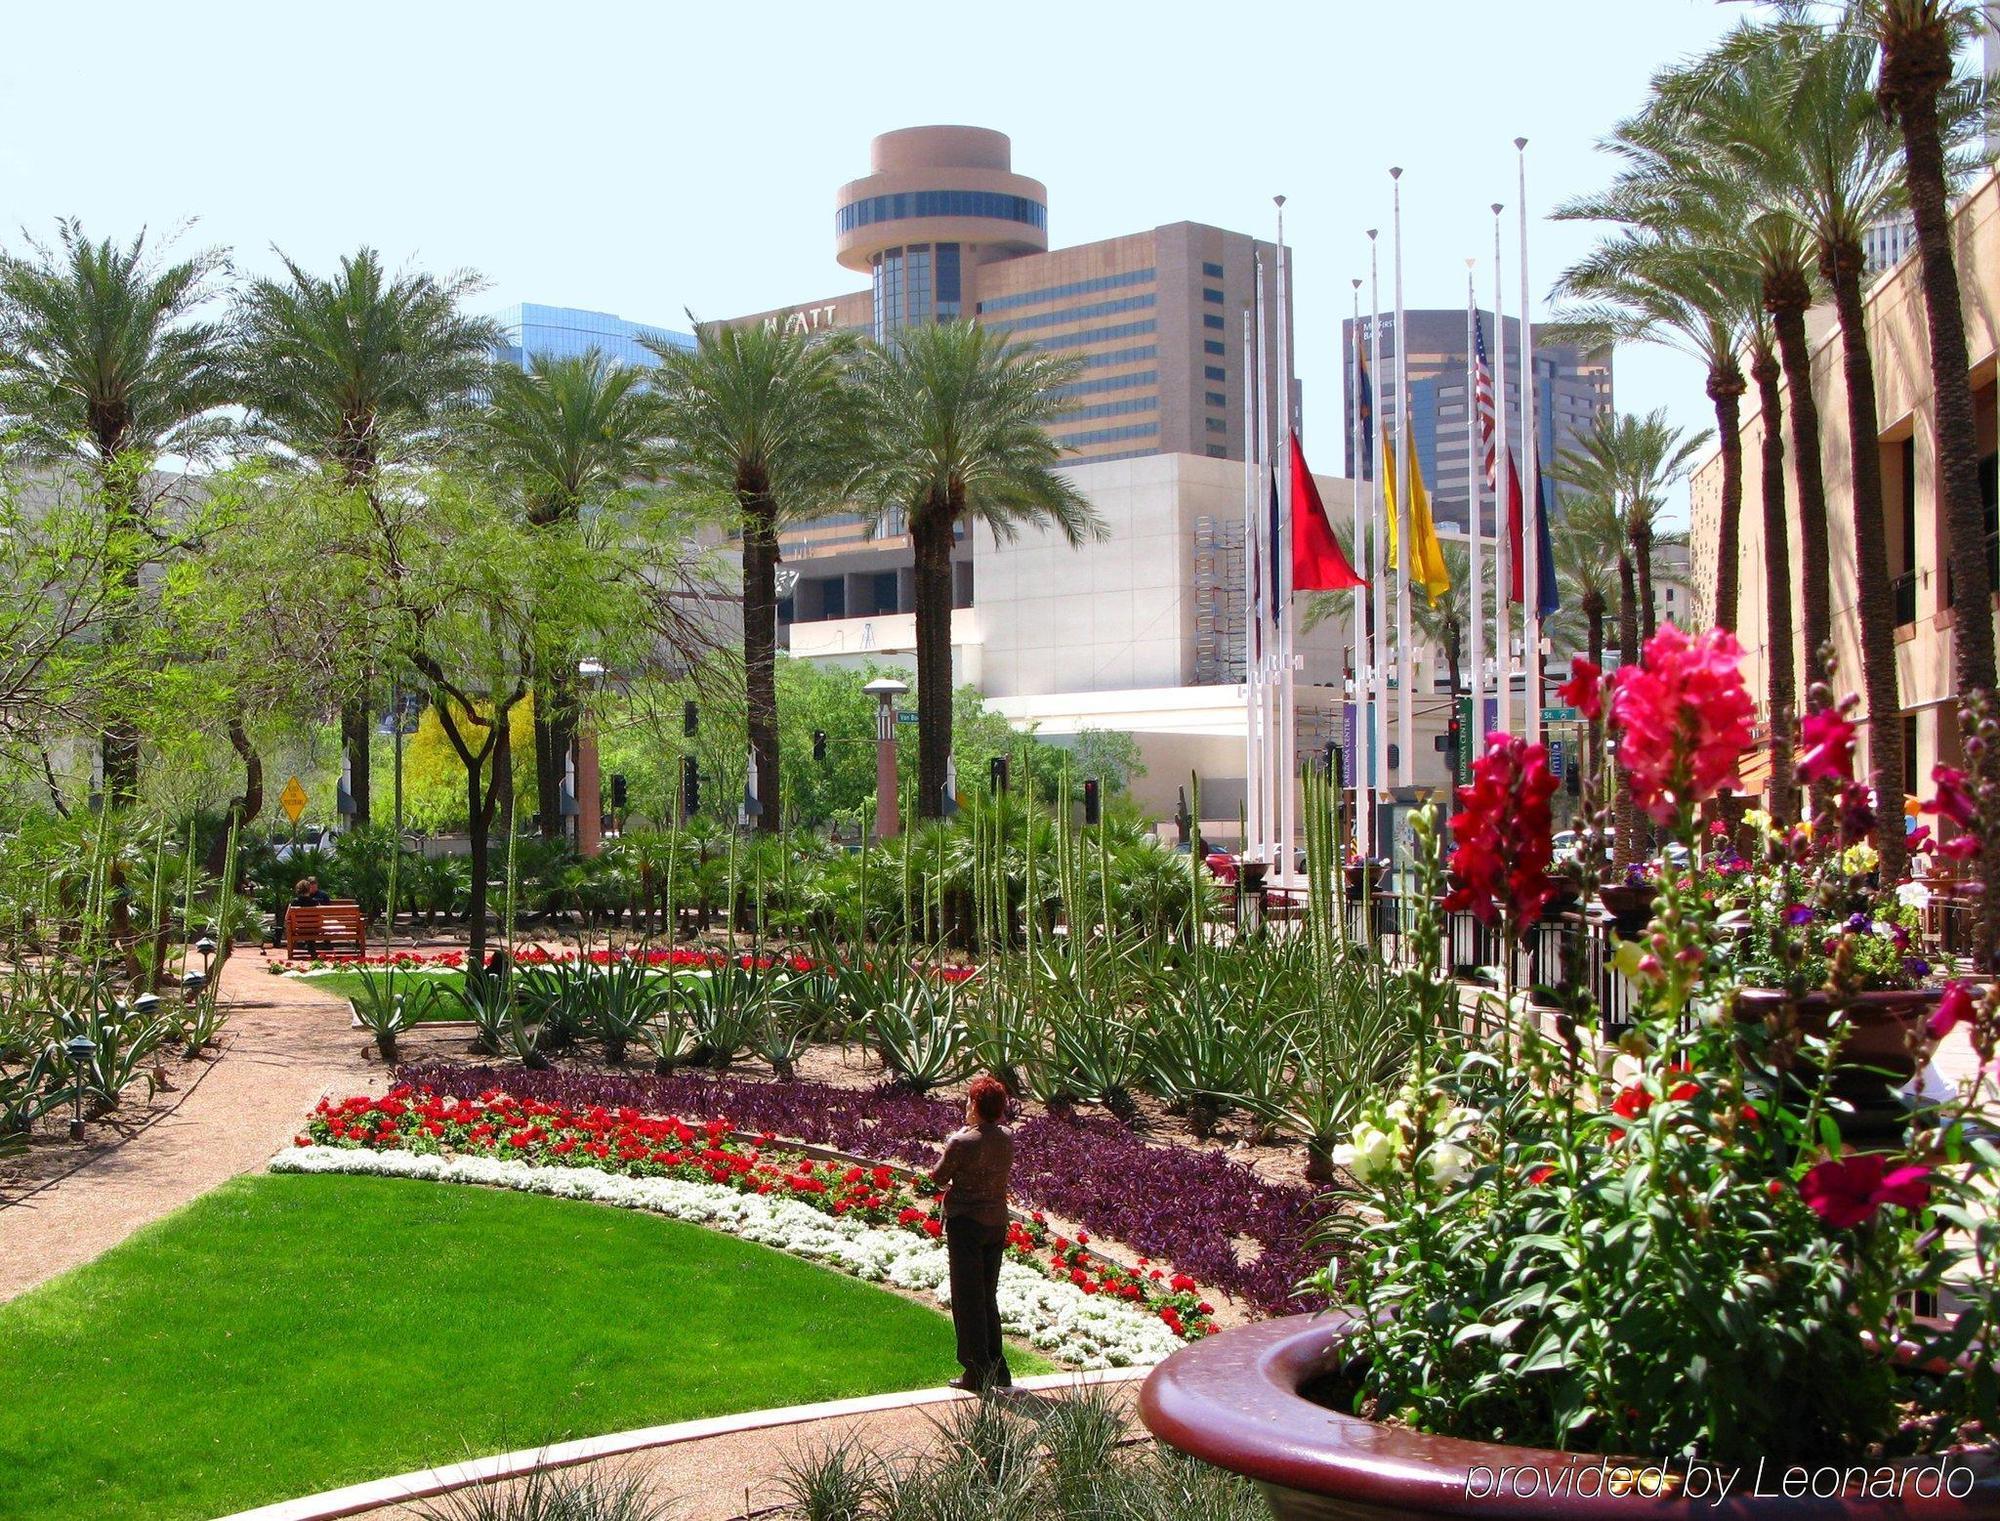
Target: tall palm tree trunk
{"points": [[1593, 611], [1627, 815], [1875, 601], [1788, 317], [1917, 65], [760, 644], [1642, 565], [930, 537], [1725, 390], [1780, 654]]}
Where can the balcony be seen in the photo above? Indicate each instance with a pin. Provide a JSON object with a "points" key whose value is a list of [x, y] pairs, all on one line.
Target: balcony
{"points": [[1904, 591]]}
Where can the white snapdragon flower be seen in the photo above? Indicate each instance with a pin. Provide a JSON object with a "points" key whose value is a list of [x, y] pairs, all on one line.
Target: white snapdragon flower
{"points": [[1373, 1153]]}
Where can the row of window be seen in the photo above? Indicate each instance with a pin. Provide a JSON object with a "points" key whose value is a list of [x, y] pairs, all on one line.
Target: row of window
{"points": [[1210, 320], [1074, 288], [1108, 435], [1098, 335], [1216, 399], [1211, 295], [1213, 271], [1108, 383], [940, 203], [1214, 372], [1113, 409], [1079, 313], [1214, 346], [1216, 424], [1121, 356]]}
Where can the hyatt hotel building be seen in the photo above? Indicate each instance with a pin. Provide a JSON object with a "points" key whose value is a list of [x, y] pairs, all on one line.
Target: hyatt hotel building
{"points": [[1142, 632]]}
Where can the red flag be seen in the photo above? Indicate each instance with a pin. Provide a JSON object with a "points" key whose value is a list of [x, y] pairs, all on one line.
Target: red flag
{"points": [[1317, 561]]}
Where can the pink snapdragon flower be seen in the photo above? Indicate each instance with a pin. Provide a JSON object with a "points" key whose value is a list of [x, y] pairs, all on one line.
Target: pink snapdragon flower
{"points": [[1686, 717]]}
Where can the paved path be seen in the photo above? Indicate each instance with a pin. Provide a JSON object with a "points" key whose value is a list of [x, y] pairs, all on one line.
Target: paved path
{"points": [[288, 1047]]}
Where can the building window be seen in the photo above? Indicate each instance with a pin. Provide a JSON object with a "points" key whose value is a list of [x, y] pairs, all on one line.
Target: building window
{"points": [[1209, 319], [1107, 383], [919, 272], [1216, 451], [1213, 271], [1076, 313], [1216, 424], [1108, 435], [940, 203], [1216, 399], [1214, 372], [1212, 346], [949, 295], [1211, 295], [1073, 288], [1112, 408], [1121, 356], [888, 294], [1096, 335]]}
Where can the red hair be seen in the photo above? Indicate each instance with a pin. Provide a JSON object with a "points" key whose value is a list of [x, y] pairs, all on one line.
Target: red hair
{"points": [[988, 1097]]}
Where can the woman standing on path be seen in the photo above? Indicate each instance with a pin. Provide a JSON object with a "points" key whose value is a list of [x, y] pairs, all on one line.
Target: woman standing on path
{"points": [[974, 1171]]}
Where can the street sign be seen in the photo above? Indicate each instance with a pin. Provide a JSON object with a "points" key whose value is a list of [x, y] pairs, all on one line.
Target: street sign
{"points": [[1561, 716], [1557, 759], [906, 715], [293, 800]]}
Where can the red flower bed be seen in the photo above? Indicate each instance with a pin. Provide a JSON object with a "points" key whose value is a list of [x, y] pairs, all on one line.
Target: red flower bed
{"points": [[629, 1141]]}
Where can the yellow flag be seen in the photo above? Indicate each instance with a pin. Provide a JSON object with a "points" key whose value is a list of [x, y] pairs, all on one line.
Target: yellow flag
{"points": [[1430, 572], [1387, 454]]}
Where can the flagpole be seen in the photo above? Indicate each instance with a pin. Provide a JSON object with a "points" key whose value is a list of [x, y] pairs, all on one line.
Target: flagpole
{"points": [[1378, 707], [1252, 630], [1503, 638], [1356, 451], [1406, 447], [1267, 727], [1531, 481], [1288, 717], [1474, 526]]}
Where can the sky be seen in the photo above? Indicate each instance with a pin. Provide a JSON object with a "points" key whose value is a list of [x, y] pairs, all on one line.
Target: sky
{"points": [[644, 159]]}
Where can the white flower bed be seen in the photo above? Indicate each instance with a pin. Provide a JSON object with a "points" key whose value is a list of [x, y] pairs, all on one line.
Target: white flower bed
{"points": [[1079, 1329]]}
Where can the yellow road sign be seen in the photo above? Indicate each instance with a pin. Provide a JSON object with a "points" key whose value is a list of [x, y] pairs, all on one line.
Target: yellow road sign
{"points": [[293, 800]]}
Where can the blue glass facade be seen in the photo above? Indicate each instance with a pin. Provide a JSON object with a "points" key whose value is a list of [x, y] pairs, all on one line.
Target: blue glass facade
{"points": [[940, 203], [564, 332]]}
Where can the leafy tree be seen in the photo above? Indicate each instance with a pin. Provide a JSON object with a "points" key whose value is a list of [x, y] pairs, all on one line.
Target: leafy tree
{"points": [[956, 432], [352, 374], [565, 436], [105, 366], [759, 422]]}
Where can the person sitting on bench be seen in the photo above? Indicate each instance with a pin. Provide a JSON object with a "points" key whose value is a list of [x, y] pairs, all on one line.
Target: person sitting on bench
{"points": [[306, 894]]}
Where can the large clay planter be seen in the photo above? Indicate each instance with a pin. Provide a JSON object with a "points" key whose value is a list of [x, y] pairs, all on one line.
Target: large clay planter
{"points": [[1631, 908], [1878, 1035], [1363, 880], [1233, 1400]]}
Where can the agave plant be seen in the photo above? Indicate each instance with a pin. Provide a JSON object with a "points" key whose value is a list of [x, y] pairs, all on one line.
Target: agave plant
{"points": [[918, 1036], [123, 1039], [487, 1000], [619, 1001], [390, 1005], [726, 1008]]}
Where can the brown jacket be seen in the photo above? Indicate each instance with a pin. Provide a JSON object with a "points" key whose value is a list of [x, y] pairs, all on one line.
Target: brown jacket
{"points": [[974, 1174]]}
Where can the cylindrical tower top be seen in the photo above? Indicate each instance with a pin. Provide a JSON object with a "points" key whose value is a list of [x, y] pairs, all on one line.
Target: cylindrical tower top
{"points": [[932, 185]]}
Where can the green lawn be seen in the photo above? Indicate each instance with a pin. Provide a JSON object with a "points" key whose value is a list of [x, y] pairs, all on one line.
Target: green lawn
{"points": [[289, 1334]]}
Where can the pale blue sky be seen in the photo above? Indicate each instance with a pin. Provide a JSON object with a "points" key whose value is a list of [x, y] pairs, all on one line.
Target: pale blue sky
{"points": [[644, 158]]}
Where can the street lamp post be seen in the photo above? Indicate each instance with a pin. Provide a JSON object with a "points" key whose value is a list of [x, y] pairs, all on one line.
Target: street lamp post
{"points": [[888, 816], [80, 1049], [589, 781]]}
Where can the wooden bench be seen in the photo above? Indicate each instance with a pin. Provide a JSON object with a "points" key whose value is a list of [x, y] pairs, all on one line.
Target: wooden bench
{"points": [[330, 930]]}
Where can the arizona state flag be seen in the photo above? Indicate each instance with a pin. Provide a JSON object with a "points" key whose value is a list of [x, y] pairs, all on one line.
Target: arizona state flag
{"points": [[1318, 563]]}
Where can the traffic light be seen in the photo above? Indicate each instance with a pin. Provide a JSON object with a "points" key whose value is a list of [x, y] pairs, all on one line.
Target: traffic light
{"points": [[819, 746], [617, 792], [1090, 803], [997, 770], [690, 784], [690, 720]]}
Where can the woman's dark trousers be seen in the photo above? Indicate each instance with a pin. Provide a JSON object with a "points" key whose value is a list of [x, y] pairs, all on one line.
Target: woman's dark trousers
{"points": [[975, 1252]]}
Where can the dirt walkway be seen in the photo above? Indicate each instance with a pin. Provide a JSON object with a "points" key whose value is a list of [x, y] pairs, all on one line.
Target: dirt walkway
{"points": [[287, 1045]]}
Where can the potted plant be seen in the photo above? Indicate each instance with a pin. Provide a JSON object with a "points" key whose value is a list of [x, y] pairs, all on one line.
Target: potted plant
{"points": [[1568, 1287], [1630, 902]]}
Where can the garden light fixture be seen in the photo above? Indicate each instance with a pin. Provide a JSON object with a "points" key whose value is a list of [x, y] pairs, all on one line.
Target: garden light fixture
{"points": [[80, 1049]]}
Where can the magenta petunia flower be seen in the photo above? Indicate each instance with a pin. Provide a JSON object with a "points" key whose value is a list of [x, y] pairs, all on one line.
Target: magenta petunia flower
{"points": [[1953, 1010], [1844, 1191]]}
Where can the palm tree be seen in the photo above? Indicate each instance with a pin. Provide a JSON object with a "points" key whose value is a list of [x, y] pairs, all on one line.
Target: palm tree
{"points": [[1591, 564], [1686, 289], [1780, 652], [1631, 461], [956, 420], [350, 373], [760, 420], [566, 435], [1443, 623], [1916, 85], [102, 364]]}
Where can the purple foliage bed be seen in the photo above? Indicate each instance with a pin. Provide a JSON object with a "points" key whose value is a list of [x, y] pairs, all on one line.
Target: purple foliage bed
{"points": [[1188, 1208]]}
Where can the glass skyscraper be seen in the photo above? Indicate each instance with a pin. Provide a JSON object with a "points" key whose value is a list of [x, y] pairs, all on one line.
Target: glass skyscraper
{"points": [[564, 332]]}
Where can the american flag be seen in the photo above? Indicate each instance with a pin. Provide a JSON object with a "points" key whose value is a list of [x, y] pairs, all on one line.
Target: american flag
{"points": [[1482, 393]]}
